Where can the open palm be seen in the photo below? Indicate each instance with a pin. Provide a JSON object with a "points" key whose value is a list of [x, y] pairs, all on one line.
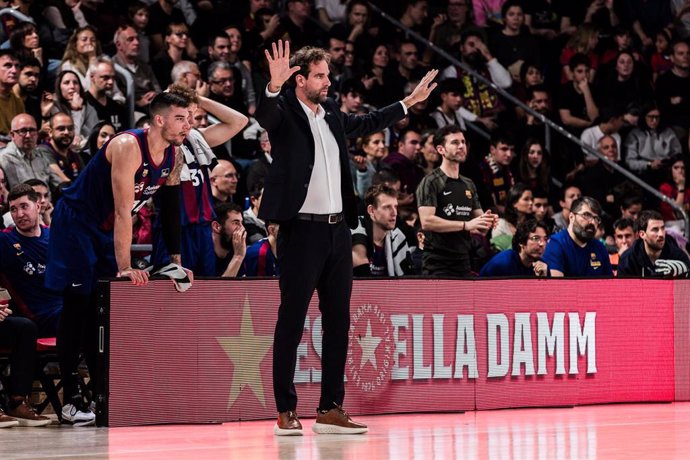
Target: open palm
{"points": [[279, 63]]}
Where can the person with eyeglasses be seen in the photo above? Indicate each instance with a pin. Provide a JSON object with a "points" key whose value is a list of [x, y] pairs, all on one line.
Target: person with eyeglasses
{"points": [[575, 251], [653, 254], [162, 13], [524, 258], [176, 41], [59, 145], [22, 160], [224, 180]]}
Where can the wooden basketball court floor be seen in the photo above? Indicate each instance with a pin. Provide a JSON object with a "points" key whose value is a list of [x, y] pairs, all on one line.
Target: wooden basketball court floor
{"points": [[640, 431]]}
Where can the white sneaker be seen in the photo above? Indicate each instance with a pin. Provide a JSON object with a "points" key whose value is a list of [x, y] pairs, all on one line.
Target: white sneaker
{"points": [[76, 416]]}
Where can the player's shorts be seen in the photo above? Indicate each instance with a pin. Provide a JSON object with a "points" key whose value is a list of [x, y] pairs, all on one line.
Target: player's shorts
{"points": [[78, 252], [196, 249]]}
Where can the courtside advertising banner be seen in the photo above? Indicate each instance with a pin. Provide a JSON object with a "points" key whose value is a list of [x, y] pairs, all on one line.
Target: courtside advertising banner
{"points": [[415, 346]]}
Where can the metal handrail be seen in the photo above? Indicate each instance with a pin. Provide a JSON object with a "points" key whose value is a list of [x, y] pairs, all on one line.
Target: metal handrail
{"points": [[548, 124]]}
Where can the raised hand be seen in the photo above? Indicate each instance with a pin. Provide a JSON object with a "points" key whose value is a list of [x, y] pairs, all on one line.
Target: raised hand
{"points": [[423, 89], [279, 65]]}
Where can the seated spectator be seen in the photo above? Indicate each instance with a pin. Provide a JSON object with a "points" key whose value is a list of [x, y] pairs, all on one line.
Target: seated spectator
{"points": [[404, 161], [569, 193], [622, 41], [673, 91], [631, 206], [533, 167], [224, 179], [146, 86], [70, 99], [45, 202], [187, 74], [451, 111], [138, 16], [623, 238], [408, 69], [356, 26], [477, 97], [101, 134], [583, 42], [83, 47], [524, 258], [379, 248], [22, 161], [330, 12], [674, 188], [575, 251], [660, 61], [11, 104], [258, 170], [598, 179], [449, 210], [26, 43], [229, 241], [59, 146], [29, 89], [262, 256], [652, 254], [624, 84], [429, 159], [19, 335], [23, 259], [495, 170], [513, 44], [518, 209], [610, 121], [376, 76], [174, 51], [542, 209], [651, 145], [255, 227], [352, 95], [100, 95], [577, 107]]}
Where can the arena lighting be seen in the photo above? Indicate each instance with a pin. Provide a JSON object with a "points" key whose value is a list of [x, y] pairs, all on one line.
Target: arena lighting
{"points": [[417, 345]]}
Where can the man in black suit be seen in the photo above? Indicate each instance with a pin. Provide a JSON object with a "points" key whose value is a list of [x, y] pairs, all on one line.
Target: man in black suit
{"points": [[309, 192]]}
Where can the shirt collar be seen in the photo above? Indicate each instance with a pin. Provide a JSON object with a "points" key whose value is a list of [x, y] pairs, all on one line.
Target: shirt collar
{"points": [[320, 112]]}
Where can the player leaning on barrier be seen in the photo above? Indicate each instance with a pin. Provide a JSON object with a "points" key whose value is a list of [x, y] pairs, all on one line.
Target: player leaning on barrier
{"points": [[92, 230]]}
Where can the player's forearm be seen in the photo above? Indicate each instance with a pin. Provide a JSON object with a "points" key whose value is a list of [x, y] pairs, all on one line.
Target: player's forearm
{"points": [[123, 241], [439, 225]]}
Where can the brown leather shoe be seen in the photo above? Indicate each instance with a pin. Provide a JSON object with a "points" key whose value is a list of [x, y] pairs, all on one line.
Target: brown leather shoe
{"points": [[288, 424], [26, 415], [337, 421], [7, 422]]}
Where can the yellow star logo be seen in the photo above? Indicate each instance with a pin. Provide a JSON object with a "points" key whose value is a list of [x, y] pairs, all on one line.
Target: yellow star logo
{"points": [[246, 352]]}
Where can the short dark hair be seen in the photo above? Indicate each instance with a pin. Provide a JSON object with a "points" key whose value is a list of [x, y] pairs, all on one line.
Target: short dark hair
{"points": [[588, 201], [566, 186], [352, 85], [29, 62], [510, 4], [218, 34], [223, 210], [21, 190], [473, 32], [257, 189], [8, 52], [165, 100], [541, 88], [623, 223], [372, 195], [441, 133], [645, 216], [34, 182], [450, 85], [501, 137], [630, 200], [578, 59], [523, 230], [306, 56]]}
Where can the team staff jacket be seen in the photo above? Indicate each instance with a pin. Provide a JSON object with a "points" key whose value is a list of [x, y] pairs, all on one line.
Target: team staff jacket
{"points": [[285, 188]]}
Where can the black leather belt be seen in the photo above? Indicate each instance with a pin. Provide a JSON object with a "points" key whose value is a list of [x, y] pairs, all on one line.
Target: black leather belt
{"points": [[327, 218]]}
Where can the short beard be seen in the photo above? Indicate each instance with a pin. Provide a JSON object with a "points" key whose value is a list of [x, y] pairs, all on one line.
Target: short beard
{"points": [[315, 97], [226, 243], [585, 233]]}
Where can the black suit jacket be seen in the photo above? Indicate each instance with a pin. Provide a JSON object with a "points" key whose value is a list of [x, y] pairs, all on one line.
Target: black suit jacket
{"points": [[292, 149]]}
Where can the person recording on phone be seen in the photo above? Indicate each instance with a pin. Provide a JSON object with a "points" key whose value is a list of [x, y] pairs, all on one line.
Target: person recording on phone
{"points": [[524, 258], [449, 210]]}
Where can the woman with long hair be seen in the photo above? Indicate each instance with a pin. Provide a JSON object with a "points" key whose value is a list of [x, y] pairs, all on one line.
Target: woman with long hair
{"points": [[624, 84], [372, 150], [82, 49], [430, 159], [69, 98], [674, 188], [100, 134], [374, 80], [25, 42], [533, 167], [518, 208]]}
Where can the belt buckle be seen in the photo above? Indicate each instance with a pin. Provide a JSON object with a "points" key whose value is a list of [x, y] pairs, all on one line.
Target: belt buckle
{"points": [[333, 219]]}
